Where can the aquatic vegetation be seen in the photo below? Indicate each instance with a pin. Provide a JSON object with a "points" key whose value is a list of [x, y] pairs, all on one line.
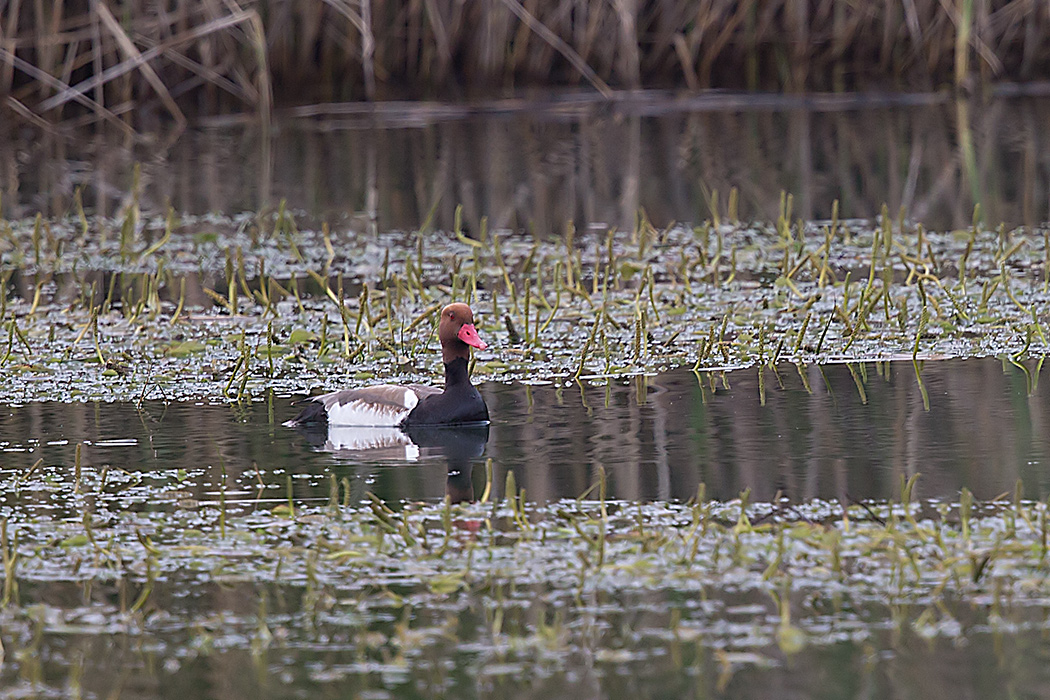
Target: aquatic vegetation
{"points": [[503, 583], [228, 308]]}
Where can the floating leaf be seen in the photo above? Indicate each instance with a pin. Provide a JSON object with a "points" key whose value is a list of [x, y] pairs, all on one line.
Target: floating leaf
{"points": [[443, 585], [300, 335], [187, 347]]}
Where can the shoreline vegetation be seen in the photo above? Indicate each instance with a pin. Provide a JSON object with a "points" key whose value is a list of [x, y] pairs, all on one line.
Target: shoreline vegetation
{"points": [[133, 64]]}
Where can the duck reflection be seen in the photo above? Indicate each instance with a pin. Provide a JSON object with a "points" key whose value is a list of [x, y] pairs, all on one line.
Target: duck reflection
{"points": [[459, 444]]}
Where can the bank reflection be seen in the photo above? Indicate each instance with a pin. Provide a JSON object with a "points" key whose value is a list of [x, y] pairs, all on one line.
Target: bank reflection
{"points": [[538, 168], [804, 432]]}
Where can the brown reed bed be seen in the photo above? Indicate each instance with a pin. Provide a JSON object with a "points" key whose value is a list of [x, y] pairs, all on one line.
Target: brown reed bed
{"points": [[100, 61]]}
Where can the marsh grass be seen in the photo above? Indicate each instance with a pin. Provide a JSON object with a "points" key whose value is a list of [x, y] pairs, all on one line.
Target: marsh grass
{"points": [[240, 309], [908, 567]]}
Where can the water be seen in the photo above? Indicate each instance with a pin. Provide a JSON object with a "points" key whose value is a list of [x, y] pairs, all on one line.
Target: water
{"points": [[538, 164], [129, 584], [657, 437], [271, 609]]}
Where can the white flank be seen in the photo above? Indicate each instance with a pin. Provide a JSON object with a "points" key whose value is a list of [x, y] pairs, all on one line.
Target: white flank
{"points": [[364, 413], [410, 399]]}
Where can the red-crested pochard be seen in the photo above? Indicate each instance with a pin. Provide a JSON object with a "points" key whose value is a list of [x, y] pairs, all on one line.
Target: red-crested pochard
{"points": [[413, 405]]}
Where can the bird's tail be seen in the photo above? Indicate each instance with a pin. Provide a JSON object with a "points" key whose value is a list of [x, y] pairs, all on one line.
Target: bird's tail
{"points": [[313, 413]]}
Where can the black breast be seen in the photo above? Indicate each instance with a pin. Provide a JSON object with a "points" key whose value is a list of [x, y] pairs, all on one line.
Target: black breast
{"points": [[459, 403], [450, 407]]}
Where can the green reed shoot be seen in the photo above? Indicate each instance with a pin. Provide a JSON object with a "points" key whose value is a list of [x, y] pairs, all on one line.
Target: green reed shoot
{"points": [[9, 552], [76, 468]]}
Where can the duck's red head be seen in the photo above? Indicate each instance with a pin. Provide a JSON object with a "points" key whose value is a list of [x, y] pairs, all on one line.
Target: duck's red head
{"points": [[457, 333]]}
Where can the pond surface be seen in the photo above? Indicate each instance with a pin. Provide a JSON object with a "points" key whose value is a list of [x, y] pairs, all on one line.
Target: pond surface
{"points": [[536, 164], [160, 548], [130, 584], [847, 432]]}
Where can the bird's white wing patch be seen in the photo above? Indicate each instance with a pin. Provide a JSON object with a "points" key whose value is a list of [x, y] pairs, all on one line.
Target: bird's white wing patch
{"points": [[410, 399], [364, 413]]}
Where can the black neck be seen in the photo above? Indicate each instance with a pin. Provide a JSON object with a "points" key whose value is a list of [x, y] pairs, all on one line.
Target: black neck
{"points": [[456, 373], [454, 348]]}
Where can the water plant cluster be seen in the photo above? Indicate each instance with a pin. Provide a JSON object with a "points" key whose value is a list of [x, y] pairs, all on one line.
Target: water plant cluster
{"points": [[362, 596], [225, 308]]}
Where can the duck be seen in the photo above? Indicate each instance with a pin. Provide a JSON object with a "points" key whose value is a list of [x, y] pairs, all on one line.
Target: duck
{"points": [[414, 405]]}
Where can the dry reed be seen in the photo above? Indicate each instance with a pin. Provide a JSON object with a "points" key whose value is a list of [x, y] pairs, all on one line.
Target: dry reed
{"points": [[210, 57]]}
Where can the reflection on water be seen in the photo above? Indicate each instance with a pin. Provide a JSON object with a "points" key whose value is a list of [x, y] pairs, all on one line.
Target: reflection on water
{"points": [[459, 445], [537, 167], [982, 431], [658, 438]]}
